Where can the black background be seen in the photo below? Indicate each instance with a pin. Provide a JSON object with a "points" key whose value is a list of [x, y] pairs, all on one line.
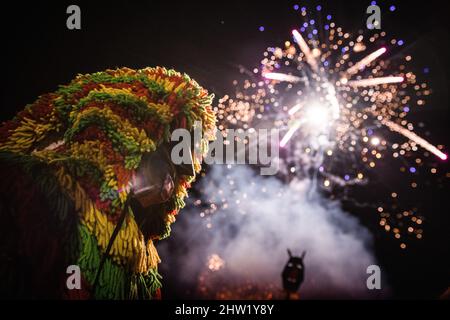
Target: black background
{"points": [[208, 40]]}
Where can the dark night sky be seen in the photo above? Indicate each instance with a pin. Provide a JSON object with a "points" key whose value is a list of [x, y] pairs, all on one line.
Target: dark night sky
{"points": [[208, 40]]}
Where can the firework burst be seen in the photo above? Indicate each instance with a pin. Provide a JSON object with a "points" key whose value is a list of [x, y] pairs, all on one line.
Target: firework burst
{"points": [[341, 102]]}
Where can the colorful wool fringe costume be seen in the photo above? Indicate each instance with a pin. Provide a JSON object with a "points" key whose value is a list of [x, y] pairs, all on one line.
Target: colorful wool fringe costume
{"points": [[66, 165]]}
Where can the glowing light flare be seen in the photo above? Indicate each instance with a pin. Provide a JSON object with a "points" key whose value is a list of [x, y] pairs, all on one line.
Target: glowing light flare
{"points": [[360, 65], [414, 137], [294, 109], [290, 133], [310, 59], [375, 81], [317, 115], [215, 262], [375, 141], [281, 77]]}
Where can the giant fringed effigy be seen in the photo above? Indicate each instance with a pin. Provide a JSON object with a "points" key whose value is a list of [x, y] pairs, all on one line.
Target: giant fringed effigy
{"points": [[66, 165]]}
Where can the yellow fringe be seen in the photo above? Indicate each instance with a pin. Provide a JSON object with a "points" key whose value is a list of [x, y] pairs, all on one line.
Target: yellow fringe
{"points": [[28, 132], [129, 248]]}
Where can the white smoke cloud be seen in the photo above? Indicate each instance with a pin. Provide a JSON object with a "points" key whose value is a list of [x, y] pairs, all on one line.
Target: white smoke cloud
{"points": [[263, 218]]}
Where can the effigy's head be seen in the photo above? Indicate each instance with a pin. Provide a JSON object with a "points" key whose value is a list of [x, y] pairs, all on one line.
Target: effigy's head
{"points": [[107, 135]]}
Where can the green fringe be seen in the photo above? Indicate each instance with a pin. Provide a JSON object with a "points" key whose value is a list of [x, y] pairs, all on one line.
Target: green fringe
{"points": [[115, 281]]}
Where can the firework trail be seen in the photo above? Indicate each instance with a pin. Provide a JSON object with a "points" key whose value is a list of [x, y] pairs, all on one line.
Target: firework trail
{"points": [[414, 137]]}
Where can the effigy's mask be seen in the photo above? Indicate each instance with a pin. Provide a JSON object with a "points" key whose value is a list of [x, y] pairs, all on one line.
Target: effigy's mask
{"points": [[156, 176], [155, 181]]}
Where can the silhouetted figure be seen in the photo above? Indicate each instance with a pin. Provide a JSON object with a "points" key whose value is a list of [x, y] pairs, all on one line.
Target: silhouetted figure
{"points": [[293, 273]]}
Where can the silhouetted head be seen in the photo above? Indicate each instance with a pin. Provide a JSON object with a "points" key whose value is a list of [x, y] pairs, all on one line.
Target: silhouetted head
{"points": [[293, 272]]}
